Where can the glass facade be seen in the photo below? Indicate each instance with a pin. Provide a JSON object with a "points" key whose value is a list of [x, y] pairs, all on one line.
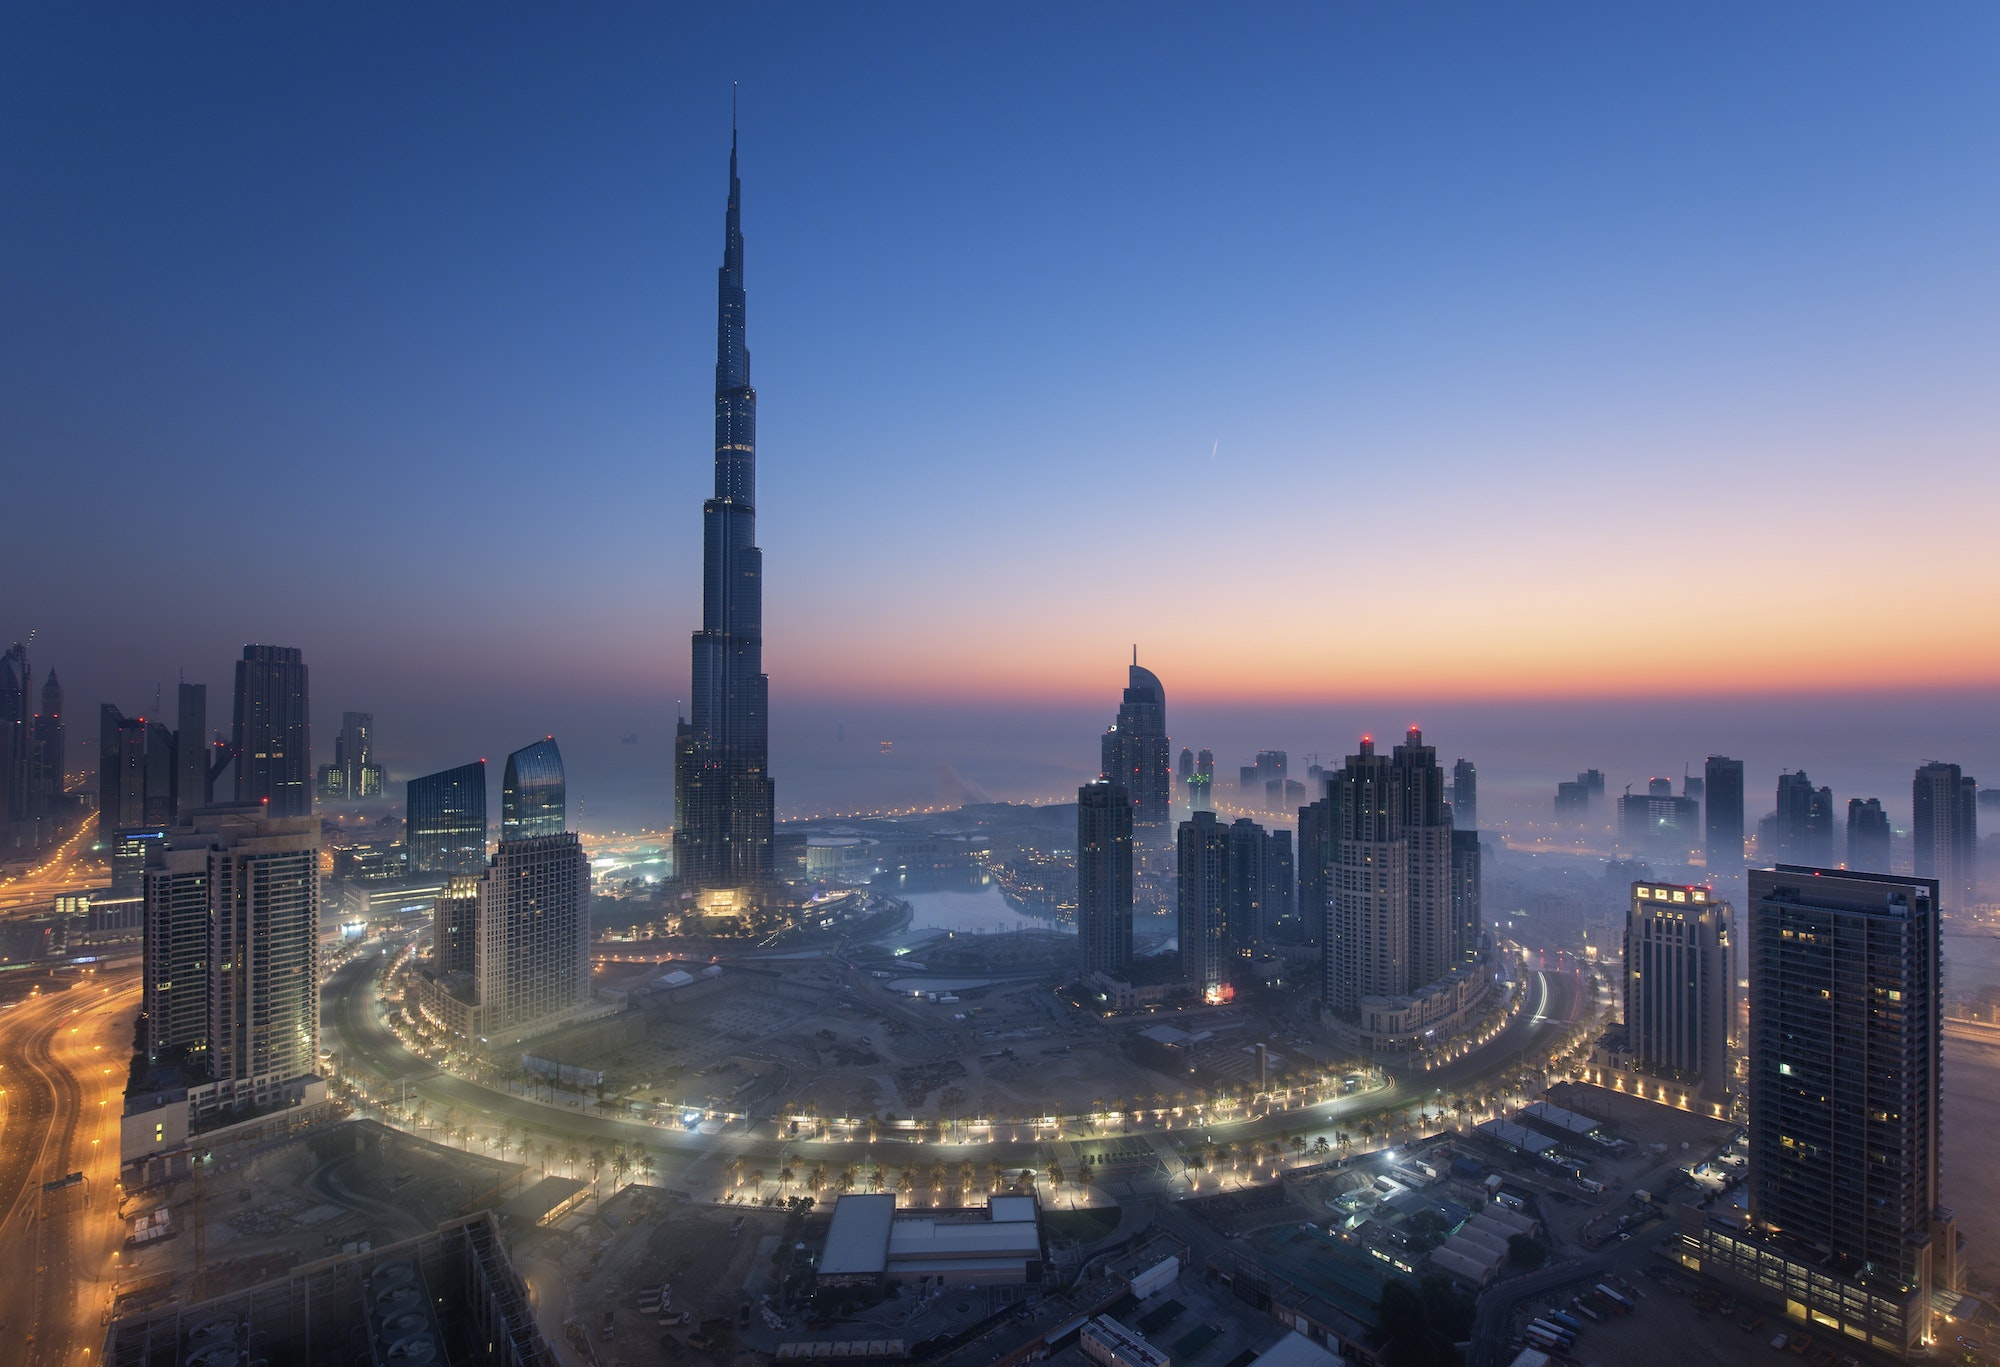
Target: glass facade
{"points": [[532, 801], [446, 814]]}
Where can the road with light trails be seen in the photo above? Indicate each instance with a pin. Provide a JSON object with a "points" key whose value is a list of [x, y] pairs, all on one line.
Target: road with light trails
{"points": [[63, 1058], [70, 867], [352, 1012]]}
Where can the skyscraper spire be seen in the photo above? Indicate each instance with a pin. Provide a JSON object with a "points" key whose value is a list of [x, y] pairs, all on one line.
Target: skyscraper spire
{"points": [[723, 799]]}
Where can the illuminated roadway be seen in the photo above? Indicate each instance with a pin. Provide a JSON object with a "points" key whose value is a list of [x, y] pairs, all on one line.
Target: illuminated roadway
{"points": [[62, 1072], [65, 870], [353, 1013]]}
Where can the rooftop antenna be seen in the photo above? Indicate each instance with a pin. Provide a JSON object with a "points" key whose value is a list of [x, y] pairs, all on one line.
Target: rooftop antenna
{"points": [[1135, 653]]}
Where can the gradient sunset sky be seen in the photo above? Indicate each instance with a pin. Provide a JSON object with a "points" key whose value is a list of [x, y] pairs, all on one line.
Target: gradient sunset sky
{"points": [[1448, 355]]}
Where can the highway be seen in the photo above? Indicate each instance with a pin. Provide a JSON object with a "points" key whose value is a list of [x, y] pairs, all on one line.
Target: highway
{"points": [[69, 867], [352, 1012], [63, 1058]]}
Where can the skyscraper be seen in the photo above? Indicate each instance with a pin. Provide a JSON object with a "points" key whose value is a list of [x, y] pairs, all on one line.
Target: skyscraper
{"points": [[230, 986], [192, 775], [1722, 816], [1679, 990], [1246, 915], [1393, 924], [1944, 831], [1203, 904], [532, 935], [1104, 820], [1805, 822], [455, 927], [724, 803], [354, 774], [271, 734], [1134, 754], [445, 821], [1467, 916], [1315, 856], [1867, 836], [1658, 824], [1846, 1034], [17, 821], [49, 747], [533, 800], [1281, 884], [1465, 795]]}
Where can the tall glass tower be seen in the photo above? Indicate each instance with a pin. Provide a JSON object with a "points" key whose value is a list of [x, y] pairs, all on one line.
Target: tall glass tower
{"points": [[533, 799], [723, 797]]}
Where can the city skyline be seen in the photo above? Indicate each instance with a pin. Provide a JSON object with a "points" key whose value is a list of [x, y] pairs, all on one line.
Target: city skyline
{"points": [[1364, 343]]}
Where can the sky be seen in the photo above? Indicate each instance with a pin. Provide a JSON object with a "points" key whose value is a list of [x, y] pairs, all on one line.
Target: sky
{"points": [[1506, 365]]}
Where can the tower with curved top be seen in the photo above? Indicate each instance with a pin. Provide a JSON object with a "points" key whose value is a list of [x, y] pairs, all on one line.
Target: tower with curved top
{"points": [[1135, 754], [724, 801]]}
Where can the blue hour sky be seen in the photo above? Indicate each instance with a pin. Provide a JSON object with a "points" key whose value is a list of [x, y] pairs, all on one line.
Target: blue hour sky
{"points": [[1455, 354]]}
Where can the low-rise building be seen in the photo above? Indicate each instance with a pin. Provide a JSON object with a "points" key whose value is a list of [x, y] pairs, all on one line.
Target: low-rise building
{"points": [[871, 1244]]}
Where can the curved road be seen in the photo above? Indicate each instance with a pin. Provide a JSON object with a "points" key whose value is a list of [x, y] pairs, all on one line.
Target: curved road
{"points": [[350, 1006]]}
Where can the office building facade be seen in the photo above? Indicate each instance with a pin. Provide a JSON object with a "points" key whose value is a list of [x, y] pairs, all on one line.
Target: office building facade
{"points": [[1658, 825], [1104, 835], [1465, 795], [1134, 754], [724, 801], [271, 732], [445, 821], [1467, 891], [354, 775], [531, 936], [1679, 990]]}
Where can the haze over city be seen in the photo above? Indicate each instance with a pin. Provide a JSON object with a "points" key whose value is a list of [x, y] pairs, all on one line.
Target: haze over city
{"points": [[1339, 717]]}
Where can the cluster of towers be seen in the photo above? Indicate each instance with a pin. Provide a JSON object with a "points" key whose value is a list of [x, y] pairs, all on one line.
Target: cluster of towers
{"points": [[33, 796]]}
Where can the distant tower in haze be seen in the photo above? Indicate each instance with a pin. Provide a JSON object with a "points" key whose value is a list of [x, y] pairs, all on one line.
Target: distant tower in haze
{"points": [[1185, 769], [1247, 913], [724, 801], [533, 799], [191, 769], [1805, 822], [271, 735], [50, 745], [1944, 831], [1203, 894], [1467, 892], [445, 821], [1103, 879], [1135, 754], [354, 774], [1722, 815], [1465, 795], [1867, 836], [17, 815]]}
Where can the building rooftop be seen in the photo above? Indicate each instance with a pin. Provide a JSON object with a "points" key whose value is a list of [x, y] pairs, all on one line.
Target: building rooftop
{"points": [[857, 1242]]}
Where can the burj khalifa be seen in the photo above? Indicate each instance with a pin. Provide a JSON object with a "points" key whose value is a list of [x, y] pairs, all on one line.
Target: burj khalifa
{"points": [[723, 796]]}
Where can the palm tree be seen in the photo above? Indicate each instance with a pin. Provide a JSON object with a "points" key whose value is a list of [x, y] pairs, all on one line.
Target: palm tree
{"points": [[621, 1164], [967, 1174], [756, 1183], [572, 1155], [503, 1141], [1299, 1146], [845, 1179], [647, 1164], [816, 1179], [785, 1178], [450, 1121], [596, 1165], [464, 1134], [906, 1182]]}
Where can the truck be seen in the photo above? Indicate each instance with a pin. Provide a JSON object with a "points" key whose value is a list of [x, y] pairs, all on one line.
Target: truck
{"points": [[1617, 1299], [1569, 1322]]}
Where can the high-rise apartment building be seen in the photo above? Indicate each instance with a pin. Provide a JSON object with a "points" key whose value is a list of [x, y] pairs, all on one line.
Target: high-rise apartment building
{"points": [[533, 797], [444, 829], [1281, 884], [1104, 835], [1134, 754], [1804, 828], [1868, 838], [724, 801], [454, 927], [1465, 795], [49, 748], [1391, 930], [1679, 989], [1944, 831], [230, 985], [531, 956], [1844, 1052], [1203, 904], [193, 776], [1315, 855], [271, 735], [1467, 918], [121, 771], [1248, 924], [1722, 814]]}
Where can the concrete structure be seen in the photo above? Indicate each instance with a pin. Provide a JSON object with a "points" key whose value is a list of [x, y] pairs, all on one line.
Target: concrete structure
{"points": [[1203, 905], [1680, 995], [1722, 813], [1104, 1340], [1868, 835], [871, 1243], [447, 1296]]}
